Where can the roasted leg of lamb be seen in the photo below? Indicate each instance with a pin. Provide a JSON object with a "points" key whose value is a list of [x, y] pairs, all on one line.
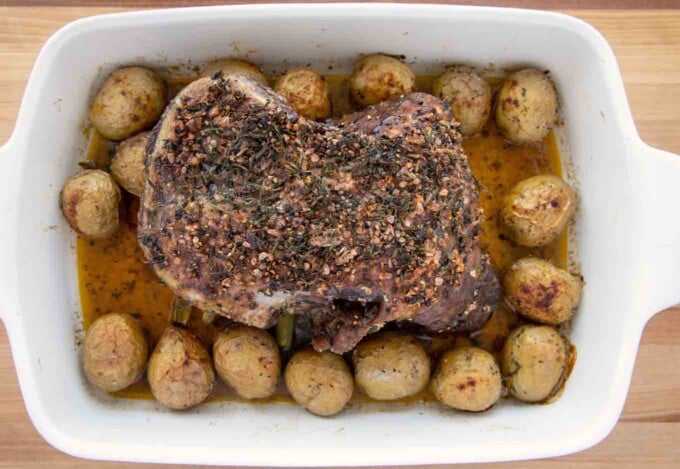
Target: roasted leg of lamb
{"points": [[251, 211]]}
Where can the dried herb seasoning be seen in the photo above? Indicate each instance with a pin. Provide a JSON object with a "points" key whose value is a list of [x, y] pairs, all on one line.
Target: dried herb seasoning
{"points": [[265, 201]]}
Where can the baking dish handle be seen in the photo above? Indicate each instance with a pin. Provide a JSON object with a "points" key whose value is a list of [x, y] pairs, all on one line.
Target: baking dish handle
{"points": [[662, 222], [7, 234]]}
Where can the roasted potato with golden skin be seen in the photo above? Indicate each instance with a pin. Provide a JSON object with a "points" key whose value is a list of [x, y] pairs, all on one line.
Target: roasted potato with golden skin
{"points": [[128, 164], [526, 106], [306, 91], [539, 291], [391, 365], [537, 210], [469, 96], [321, 382], [130, 100], [379, 78], [89, 201], [180, 373], [114, 352], [467, 378], [534, 362], [247, 359], [234, 67]]}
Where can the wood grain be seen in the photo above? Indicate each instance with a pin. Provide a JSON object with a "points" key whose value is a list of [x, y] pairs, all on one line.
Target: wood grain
{"points": [[537, 4], [647, 44]]}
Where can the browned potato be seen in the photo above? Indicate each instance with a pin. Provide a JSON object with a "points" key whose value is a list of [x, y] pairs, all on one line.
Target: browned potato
{"points": [[467, 378], [127, 165], [534, 362], [180, 373], [247, 359], [391, 365], [233, 67], [130, 100], [89, 201], [114, 352], [526, 106], [468, 94], [536, 211], [321, 382], [306, 91], [379, 78], [538, 290]]}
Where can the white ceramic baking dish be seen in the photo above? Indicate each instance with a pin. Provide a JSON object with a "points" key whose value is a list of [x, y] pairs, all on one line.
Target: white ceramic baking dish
{"points": [[628, 236]]}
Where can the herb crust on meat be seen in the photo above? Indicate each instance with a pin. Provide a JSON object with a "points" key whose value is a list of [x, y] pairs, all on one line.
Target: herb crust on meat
{"points": [[250, 211]]}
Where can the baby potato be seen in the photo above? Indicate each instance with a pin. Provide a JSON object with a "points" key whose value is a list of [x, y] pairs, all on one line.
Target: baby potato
{"points": [[534, 362], [391, 365], [127, 165], [379, 78], [233, 67], [539, 291], [180, 373], [468, 379], [468, 94], [247, 359], [114, 352], [526, 106], [131, 99], [306, 91], [321, 382], [89, 201], [536, 210]]}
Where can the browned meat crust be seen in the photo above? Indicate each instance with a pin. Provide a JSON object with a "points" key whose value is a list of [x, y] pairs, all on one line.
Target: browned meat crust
{"points": [[250, 210]]}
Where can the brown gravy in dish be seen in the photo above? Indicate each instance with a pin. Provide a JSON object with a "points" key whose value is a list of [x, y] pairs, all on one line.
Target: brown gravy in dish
{"points": [[114, 278]]}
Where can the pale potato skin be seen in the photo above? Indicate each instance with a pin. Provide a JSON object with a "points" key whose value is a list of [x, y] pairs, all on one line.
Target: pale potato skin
{"points": [[180, 373], [89, 201], [306, 91], [539, 291], [130, 100], [526, 106], [233, 67], [391, 365], [467, 378], [534, 362], [127, 165], [469, 96], [247, 359], [321, 382], [114, 352], [536, 211], [379, 78]]}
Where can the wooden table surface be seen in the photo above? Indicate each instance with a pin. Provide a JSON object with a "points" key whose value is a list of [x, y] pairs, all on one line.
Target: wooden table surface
{"points": [[647, 45]]}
